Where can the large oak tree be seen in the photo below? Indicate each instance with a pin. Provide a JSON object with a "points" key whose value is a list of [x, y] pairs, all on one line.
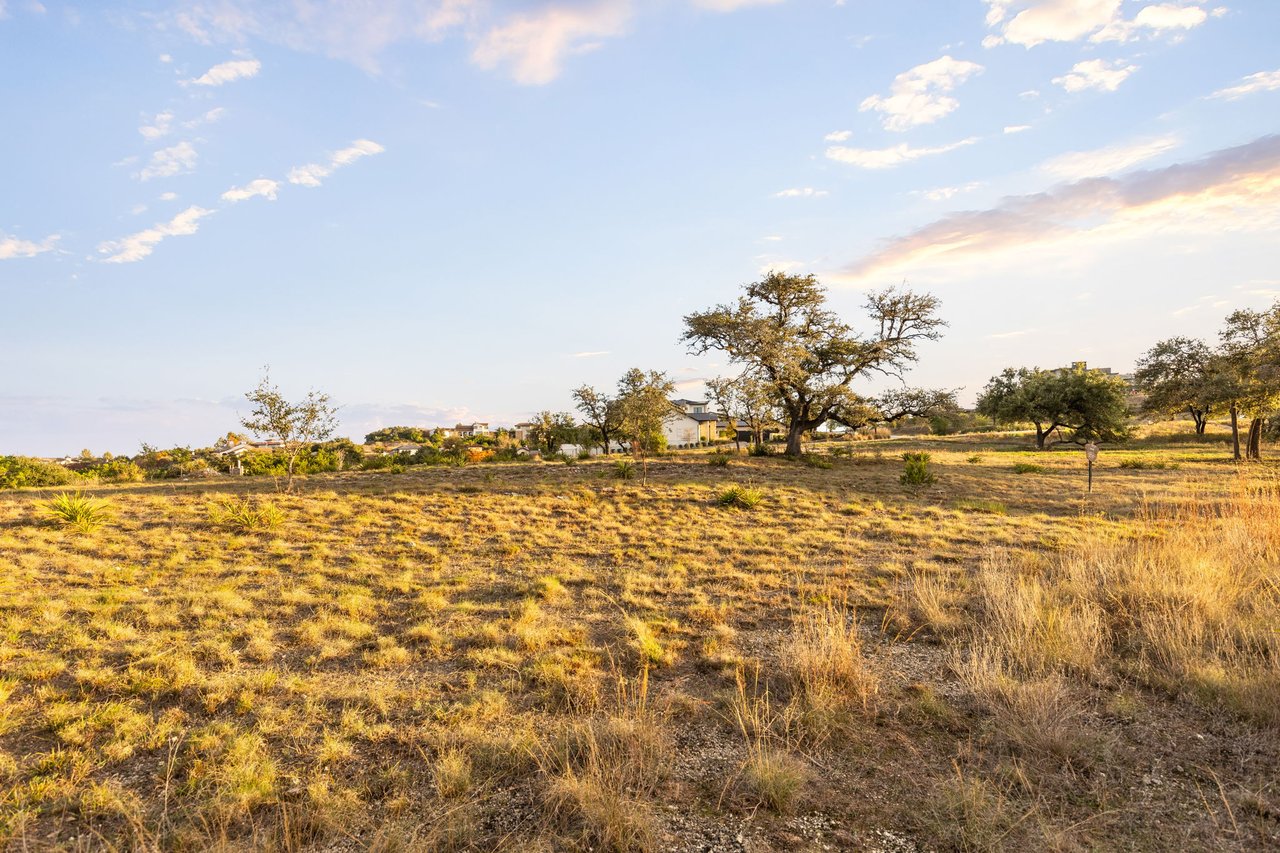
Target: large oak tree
{"points": [[784, 335]]}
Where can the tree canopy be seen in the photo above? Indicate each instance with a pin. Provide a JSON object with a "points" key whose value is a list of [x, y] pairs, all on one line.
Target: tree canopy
{"points": [[784, 335], [1176, 375], [310, 420], [1090, 404]]}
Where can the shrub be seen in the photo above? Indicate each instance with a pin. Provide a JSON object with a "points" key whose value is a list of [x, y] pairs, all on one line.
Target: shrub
{"points": [[718, 460], [19, 471], [117, 471], [916, 470], [975, 459], [1028, 468], [623, 469], [740, 497], [814, 461], [760, 450], [78, 511], [246, 514]]}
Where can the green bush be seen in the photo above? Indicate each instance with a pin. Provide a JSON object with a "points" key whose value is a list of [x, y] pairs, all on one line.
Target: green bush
{"points": [[77, 511], [916, 470], [740, 497], [975, 459], [760, 450], [117, 471], [623, 469], [1028, 468], [718, 460], [19, 471]]}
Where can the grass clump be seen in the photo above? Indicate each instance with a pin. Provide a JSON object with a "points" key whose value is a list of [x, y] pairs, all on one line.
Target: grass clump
{"points": [[78, 511], [916, 470], [740, 497], [1028, 468], [623, 469], [990, 507], [246, 514]]}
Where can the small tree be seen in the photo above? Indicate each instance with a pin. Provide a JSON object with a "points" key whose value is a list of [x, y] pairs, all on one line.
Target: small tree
{"points": [[1090, 404], [784, 334], [644, 405], [294, 425], [600, 412], [1174, 374], [552, 429], [1249, 375], [745, 398]]}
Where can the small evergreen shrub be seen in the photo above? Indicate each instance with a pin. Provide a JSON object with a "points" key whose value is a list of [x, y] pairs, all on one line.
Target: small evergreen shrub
{"points": [[77, 511], [19, 471], [623, 469], [246, 514], [740, 497], [1028, 468], [916, 470]]}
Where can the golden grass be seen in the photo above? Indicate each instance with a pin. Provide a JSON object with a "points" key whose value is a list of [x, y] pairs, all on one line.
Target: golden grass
{"points": [[544, 657]]}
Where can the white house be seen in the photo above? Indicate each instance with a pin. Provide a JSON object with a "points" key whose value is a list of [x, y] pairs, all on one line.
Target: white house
{"points": [[690, 424]]}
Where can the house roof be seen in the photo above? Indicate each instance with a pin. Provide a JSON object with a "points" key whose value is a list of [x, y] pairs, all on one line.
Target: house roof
{"points": [[689, 402], [703, 416]]}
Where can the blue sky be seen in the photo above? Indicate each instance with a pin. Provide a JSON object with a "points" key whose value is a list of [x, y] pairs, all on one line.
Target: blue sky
{"points": [[460, 209]]}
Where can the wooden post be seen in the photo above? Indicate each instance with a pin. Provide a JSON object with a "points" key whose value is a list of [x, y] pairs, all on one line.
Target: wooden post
{"points": [[1091, 454]]}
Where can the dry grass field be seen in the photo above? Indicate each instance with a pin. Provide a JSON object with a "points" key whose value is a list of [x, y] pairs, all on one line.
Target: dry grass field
{"points": [[547, 657]]}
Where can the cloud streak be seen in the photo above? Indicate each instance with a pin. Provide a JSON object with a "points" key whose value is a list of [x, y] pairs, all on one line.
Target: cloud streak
{"points": [[1232, 189], [15, 247], [1263, 81], [312, 174], [264, 187], [167, 162], [137, 246], [894, 155], [228, 72]]}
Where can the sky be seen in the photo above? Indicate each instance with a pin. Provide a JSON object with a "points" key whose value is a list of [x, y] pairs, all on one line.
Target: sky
{"points": [[456, 210]]}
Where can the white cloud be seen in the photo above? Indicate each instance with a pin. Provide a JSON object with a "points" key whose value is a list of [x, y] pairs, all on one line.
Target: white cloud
{"points": [[887, 158], [312, 174], [227, 72], [916, 96], [137, 246], [1095, 74], [1106, 161], [160, 126], [261, 187], [165, 58], [1236, 189], [1032, 22], [15, 247], [170, 161], [944, 193], [168, 196], [1017, 128], [838, 136], [1154, 20], [533, 45], [800, 192], [1263, 81], [208, 118]]}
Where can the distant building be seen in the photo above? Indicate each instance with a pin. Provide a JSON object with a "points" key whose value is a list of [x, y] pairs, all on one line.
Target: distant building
{"points": [[242, 447], [471, 430], [523, 431], [1133, 394], [690, 424]]}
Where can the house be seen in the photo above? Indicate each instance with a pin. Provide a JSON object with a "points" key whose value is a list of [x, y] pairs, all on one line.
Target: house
{"points": [[470, 430], [240, 448], [524, 431], [401, 447], [690, 424]]}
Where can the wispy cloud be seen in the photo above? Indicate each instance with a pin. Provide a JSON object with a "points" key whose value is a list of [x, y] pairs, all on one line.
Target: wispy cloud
{"points": [[264, 187], [227, 72], [917, 96], [1106, 161], [137, 246], [1263, 81], [311, 175], [15, 247], [174, 160], [944, 193], [160, 126], [894, 155], [1095, 74], [1016, 128], [800, 192], [533, 45], [1232, 189], [838, 136], [1154, 20], [733, 5]]}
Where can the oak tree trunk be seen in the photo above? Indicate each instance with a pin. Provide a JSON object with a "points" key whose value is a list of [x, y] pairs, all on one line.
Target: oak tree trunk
{"points": [[1235, 433], [1253, 449]]}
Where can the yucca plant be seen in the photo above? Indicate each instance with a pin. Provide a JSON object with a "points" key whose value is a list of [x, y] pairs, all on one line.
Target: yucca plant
{"points": [[623, 469], [740, 497], [246, 514], [77, 511]]}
